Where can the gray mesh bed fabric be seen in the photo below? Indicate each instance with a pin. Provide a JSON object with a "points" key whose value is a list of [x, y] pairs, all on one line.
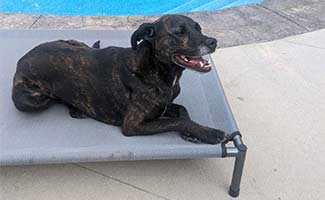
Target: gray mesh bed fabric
{"points": [[52, 136]]}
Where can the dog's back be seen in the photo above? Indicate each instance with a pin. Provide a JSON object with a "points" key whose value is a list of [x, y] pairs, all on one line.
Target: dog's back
{"points": [[72, 73]]}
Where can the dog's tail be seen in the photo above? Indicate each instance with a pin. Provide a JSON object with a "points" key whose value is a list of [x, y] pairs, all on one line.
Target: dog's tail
{"points": [[96, 45]]}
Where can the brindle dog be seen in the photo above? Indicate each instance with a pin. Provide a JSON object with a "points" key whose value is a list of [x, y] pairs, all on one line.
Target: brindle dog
{"points": [[129, 87]]}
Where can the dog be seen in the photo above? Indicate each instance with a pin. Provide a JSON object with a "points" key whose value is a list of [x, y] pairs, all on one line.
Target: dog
{"points": [[133, 88]]}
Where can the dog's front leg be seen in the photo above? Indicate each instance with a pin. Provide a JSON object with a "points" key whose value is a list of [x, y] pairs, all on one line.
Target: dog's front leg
{"points": [[136, 122], [174, 110]]}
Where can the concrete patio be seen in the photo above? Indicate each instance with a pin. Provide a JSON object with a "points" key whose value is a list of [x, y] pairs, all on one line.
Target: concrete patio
{"points": [[276, 90]]}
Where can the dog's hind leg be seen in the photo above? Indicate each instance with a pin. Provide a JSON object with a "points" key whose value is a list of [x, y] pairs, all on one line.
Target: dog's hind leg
{"points": [[28, 97], [76, 113]]}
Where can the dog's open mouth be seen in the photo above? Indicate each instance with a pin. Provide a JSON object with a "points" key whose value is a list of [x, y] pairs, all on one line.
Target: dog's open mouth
{"points": [[196, 63]]}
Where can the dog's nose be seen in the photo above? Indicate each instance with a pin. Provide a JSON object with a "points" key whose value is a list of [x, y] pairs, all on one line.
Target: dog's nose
{"points": [[211, 43]]}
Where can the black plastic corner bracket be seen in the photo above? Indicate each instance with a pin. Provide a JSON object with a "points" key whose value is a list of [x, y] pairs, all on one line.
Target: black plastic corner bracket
{"points": [[223, 150], [237, 141], [242, 147], [236, 138], [231, 136]]}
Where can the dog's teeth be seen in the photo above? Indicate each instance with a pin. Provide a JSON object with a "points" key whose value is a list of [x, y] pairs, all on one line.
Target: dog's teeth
{"points": [[201, 64], [186, 59], [209, 62]]}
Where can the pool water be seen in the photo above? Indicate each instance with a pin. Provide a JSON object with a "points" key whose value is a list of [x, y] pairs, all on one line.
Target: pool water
{"points": [[115, 7]]}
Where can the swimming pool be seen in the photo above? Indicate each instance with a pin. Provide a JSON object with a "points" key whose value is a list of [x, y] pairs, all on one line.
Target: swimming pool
{"points": [[115, 7]]}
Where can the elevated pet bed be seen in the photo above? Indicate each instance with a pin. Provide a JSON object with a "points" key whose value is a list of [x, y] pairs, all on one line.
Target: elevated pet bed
{"points": [[52, 136]]}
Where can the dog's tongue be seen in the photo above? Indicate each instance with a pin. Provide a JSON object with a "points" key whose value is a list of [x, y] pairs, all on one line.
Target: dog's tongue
{"points": [[197, 60], [196, 63]]}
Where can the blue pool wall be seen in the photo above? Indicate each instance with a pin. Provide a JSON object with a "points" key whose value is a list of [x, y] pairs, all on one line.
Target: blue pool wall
{"points": [[116, 7]]}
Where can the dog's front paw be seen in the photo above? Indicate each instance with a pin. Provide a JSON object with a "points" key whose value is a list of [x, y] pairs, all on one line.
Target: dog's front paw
{"points": [[206, 135], [191, 138], [212, 136]]}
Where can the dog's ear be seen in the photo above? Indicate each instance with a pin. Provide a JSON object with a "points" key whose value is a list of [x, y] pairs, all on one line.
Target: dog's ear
{"points": [[146, 31]]}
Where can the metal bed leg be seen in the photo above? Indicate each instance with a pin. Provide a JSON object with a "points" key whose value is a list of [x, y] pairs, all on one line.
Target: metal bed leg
{"points": [[240, 153]]}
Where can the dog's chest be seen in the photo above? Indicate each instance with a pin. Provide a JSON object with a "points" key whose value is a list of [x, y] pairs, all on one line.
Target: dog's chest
{"points": [[172, 89], [158, 94]]}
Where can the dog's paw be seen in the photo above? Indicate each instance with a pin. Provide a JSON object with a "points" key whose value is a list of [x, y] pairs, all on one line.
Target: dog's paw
{"points": [[207, 135], [212, 136], [190, 138]]}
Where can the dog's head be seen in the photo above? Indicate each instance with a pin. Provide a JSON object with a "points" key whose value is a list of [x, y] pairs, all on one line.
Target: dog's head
{"points": [[177, 39]]}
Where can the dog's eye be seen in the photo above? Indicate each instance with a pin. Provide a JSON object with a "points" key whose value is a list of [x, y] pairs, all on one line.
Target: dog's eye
{"points": [[179, 30], [198, 27]]}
